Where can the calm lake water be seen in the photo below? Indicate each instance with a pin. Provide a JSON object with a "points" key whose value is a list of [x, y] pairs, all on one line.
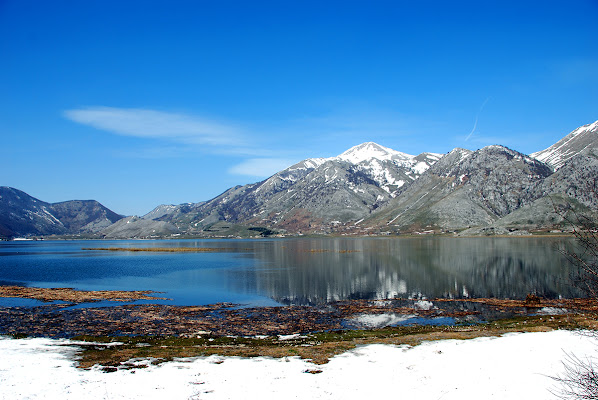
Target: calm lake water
{"points": [[298, 271]]}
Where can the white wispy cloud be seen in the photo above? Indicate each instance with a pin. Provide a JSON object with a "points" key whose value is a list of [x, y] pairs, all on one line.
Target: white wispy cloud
{"points": [[475, 124], [261, 167], [145, 123], [186, 134], [260, 151]]}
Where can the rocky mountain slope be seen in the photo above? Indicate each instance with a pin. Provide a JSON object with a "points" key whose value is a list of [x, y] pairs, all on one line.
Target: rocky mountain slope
{"points": [[313, 194], [372, 189], [24, 215], [571, 191], [583, 138], [160, 211], [465, 189], [135, 227]]}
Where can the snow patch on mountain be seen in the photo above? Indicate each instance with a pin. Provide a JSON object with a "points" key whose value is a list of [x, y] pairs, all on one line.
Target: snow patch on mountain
{"points": [[389, 168], [160, 211], [575, 142], [314, 162], [370, 150]]}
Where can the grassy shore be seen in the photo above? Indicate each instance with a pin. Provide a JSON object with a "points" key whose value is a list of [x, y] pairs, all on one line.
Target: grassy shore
{"points": [[113, 352]]}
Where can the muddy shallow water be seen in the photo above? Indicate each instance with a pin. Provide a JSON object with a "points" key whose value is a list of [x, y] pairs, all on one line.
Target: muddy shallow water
{"points": [[229, 319]]}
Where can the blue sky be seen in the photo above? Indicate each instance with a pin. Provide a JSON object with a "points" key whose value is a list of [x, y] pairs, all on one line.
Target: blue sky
{"points": [[139, 103]]}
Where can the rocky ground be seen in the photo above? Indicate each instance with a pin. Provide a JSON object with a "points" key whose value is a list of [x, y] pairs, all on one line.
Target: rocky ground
{"points": [[62, 320], [163, 332]]}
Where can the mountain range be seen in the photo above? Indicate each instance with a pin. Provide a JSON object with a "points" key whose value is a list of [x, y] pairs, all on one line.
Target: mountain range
{"points": [[23, 215], [368, 189]]}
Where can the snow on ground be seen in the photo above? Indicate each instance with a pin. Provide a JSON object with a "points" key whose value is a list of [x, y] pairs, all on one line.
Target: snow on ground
{"points": [[380, 320], [515, 366]]}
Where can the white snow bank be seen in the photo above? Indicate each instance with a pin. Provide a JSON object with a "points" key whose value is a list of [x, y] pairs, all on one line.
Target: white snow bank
{"points": [[515, 366], [379, 320], [423, 305], [552, 311]]}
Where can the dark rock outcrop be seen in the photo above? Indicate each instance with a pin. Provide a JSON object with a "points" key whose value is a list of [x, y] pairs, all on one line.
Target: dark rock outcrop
{"points": [[24, 215]]}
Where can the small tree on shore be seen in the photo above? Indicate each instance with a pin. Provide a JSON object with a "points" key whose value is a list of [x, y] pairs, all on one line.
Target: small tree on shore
{"points": [[580, 378], [584, 260]]}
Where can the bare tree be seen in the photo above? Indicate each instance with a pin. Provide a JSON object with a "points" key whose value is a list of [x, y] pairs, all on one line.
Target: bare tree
{"points": [[579, 380], [580, 377], [584, 260]]}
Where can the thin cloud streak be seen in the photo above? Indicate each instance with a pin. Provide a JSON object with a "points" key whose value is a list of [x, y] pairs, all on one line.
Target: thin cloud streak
{"points": [[475, 125], [144, 123], [260, 152], [185, 132]]}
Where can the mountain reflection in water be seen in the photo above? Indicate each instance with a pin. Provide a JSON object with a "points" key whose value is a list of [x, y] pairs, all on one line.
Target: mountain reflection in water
{"points": [[312, 271], [300, 270]]}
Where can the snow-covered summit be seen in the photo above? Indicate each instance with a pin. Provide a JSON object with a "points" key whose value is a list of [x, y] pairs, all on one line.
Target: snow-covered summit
{"points": [[584, 137], [370, 150], [593, 127]]}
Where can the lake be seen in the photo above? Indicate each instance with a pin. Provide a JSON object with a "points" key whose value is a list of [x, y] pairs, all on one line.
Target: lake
{"points": [[297, 270]]}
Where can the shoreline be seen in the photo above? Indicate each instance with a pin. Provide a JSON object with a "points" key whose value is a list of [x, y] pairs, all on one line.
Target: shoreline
{"points": [[537, 234], [75, 296], [75, 314], [119, 333]]}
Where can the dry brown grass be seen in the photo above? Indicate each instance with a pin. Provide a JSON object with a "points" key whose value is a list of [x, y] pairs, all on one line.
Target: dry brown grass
{"points": [[75, 296], [165, 249]]}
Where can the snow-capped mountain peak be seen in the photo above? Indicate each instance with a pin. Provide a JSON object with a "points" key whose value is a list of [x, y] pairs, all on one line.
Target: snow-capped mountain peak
{"points": [[581, 138], [370, 150], [593, 127]]}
